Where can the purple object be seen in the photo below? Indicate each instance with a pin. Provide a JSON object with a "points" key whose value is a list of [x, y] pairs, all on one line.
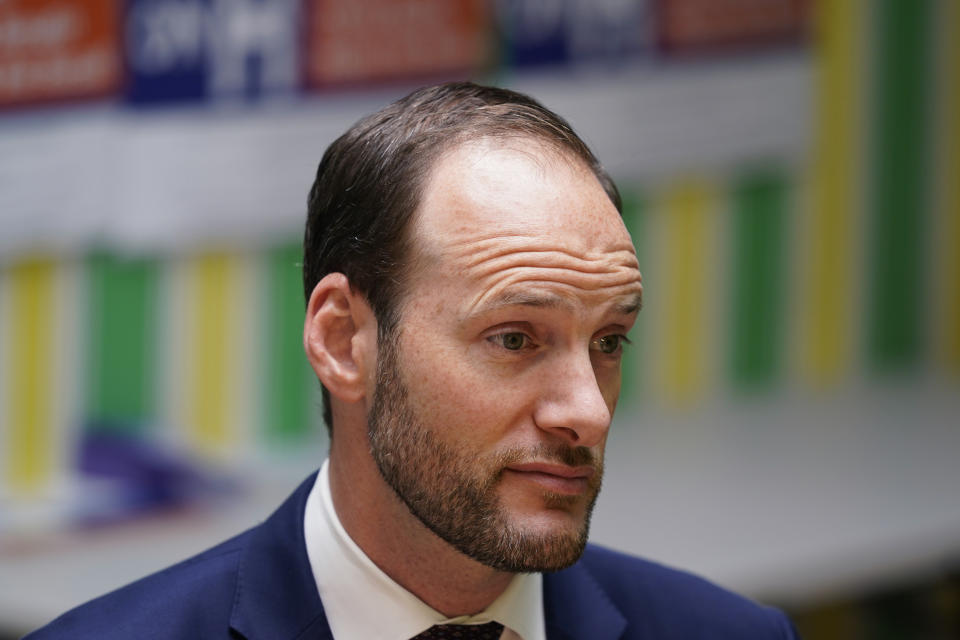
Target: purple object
{"points": [[142, 477]]}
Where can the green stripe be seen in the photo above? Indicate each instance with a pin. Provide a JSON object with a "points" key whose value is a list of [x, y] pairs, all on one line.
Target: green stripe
{"points": [[634, 217], [289, 377], [121, 371], [759, 216], [898, 198]]}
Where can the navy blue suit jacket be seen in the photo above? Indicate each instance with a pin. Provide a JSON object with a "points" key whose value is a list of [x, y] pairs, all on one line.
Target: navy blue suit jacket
{"points": [[259, 586]]}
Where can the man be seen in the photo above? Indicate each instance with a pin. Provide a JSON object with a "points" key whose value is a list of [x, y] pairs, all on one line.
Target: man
{"points": [[470, 284]]}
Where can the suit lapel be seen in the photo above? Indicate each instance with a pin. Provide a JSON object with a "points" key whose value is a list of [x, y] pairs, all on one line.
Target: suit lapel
{"points": [[577, 608], [276, 596]]}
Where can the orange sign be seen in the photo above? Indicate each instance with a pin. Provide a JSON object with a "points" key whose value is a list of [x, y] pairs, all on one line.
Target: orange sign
{"points": [[707, 25], [52, 49], [362, 40]]}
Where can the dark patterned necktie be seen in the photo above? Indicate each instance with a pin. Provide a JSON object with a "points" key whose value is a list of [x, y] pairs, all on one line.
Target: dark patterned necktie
{"points": [[488, 631]]}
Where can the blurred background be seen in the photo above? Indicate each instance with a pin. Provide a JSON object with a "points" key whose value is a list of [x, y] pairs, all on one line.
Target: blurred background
{"points": [[790, 170]]}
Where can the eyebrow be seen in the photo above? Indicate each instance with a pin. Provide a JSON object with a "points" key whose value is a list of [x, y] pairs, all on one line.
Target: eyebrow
{"points": [[631, 306]]}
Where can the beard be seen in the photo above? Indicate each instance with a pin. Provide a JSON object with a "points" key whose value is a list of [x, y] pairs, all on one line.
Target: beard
{"points": [[453, 491]]}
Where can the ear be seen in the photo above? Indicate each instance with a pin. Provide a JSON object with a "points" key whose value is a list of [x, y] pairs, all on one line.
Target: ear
{"points": [[339, 336]]}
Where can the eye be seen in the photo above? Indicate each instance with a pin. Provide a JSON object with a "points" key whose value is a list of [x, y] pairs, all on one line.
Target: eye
{"points": [[609, 344], [511, 341]]}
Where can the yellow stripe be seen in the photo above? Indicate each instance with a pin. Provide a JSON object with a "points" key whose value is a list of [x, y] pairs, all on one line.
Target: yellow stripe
{"points": [[29, 454], [950, 189], [210, 358], [828, 262], [683, 290]]}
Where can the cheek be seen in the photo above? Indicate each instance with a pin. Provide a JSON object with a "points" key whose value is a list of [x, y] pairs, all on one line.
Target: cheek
{"points": [[462, 396], [451, 392]]}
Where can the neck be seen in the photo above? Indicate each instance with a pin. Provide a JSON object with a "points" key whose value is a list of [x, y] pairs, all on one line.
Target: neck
{"points": [[399, 544]]}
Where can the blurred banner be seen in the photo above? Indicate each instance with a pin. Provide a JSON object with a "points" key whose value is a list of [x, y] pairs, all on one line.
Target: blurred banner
{"points": [[352, 42], [54, 50], [210, 49], [711, 26]]}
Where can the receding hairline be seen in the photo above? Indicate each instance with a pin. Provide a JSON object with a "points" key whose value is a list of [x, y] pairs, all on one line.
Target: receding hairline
{"points": [[552, 153]]}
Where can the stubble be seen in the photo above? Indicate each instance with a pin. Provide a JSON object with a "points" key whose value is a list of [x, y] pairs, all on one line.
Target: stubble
{"points": [[454, 492]]}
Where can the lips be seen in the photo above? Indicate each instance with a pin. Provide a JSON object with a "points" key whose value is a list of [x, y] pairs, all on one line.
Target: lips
{"points": [[557, 478]]}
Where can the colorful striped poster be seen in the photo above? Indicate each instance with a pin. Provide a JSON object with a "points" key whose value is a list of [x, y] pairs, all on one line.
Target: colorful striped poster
{"points": [[829, 252], [288, 380], [122, 342], [683, 290], [898, 201], [759, 261], [30, 310], [210, 363], [947, 338]]}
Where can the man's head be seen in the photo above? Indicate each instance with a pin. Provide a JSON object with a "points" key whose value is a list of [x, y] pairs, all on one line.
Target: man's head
{"points": [[486, 396], [370, 182]]}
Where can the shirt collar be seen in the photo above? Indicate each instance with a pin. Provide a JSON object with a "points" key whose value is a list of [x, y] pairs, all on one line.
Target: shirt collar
{"points": [[361, 601]]}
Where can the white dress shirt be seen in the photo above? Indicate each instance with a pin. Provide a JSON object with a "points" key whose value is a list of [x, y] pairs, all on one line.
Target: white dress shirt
{"points": [[362, 602]]}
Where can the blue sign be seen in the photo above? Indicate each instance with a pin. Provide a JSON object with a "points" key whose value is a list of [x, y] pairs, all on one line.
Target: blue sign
{"points": [[211, 49], [543, 32], [534, 31]]}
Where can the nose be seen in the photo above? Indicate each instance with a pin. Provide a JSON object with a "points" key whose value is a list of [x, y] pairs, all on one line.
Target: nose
{"points": [[572, 405]]}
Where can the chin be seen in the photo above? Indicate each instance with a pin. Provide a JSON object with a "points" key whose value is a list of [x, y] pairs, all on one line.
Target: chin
{"points": [[530, 542], [535, 550]]}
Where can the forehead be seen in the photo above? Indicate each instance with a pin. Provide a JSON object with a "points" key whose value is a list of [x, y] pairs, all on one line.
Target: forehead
{"points": [[515, 185], [497, 211]]}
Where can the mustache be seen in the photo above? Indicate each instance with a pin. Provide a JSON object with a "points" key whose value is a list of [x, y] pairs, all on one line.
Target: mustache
{"points": [[551, 453]]}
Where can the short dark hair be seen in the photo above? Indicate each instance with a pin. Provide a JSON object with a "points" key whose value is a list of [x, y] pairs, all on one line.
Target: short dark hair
{"points": [[370, 180]]}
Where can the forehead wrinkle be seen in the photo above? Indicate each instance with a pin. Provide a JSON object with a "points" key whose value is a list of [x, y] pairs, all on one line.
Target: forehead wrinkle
{"points": [[549, 300], [559, 283], [476, 252], [597, 264], [600, 272], [497, 267], [492, 259]]}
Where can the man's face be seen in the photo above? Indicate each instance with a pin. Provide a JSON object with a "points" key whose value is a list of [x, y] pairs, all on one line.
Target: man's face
{"points": [[495, 393]]}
